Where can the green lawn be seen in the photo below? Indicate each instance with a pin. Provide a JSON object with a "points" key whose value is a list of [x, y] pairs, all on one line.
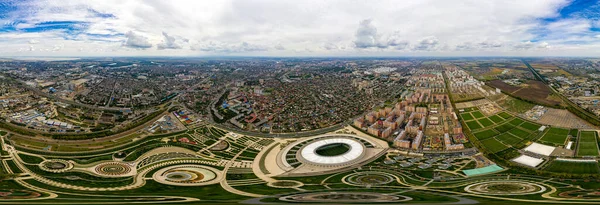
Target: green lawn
{"points": [[504, 115], [466, 116], [477, 114], [508, 139], [530, 126], [573, 167], [485, 122], [497, 119], [493, 145], [473, 125], [485, 134]]}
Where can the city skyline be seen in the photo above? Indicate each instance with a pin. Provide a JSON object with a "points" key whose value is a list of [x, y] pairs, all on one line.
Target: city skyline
{"points": [[299, 28]]}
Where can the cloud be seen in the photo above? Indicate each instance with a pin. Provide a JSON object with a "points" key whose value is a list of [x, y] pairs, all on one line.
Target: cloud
{"points": [[33, 41], [111, 27], [220, 47], [427, 44], [279, 47], [168, 42], [136, 41], [528, 45], [366, 34], [330, 46]]}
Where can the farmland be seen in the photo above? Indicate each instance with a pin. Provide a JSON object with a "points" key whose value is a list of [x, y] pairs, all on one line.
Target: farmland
{"points": [[532, 91]]}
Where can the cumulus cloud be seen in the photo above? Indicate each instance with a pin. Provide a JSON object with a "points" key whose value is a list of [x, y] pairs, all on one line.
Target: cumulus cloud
{"points": [[136, 41], [366, 34], [168, 42], [33, 41], [528, 45]]}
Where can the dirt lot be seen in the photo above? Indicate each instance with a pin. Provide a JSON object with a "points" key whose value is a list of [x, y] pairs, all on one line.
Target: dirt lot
{"points": [[533, 90], [503, 86]]}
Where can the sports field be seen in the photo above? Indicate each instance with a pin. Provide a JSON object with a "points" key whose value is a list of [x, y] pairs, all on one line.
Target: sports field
{"points": [[473, 125], [588, 145], [516, 121], [485, 134], [509, 139], [556, 135], [504, 115], [504, 128], [485, 122], [520, 133], [477, 114], [573, 167], [496, 118], [466, 116], [530, 126], [493, 145]]}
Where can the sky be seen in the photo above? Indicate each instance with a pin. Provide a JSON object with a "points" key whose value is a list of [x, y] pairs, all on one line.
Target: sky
{"points": [[299, 28]]}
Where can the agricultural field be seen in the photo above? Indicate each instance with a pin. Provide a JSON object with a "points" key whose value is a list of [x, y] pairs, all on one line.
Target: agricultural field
{"points": [[588, 145], [570, 167], [532, 90]]}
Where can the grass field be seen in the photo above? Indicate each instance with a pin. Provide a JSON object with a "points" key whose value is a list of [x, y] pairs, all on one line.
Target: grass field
{"points": [[496, 118], [573, 167], [473, 125], [530, 126], [466, 116], [477, 114], [485, 122], [558, 131], [556, 135], [516, 121], [587, 144], [504, 115], [485, 134], [519, 133], [504, 128], [493, 145], [508, 139]]}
